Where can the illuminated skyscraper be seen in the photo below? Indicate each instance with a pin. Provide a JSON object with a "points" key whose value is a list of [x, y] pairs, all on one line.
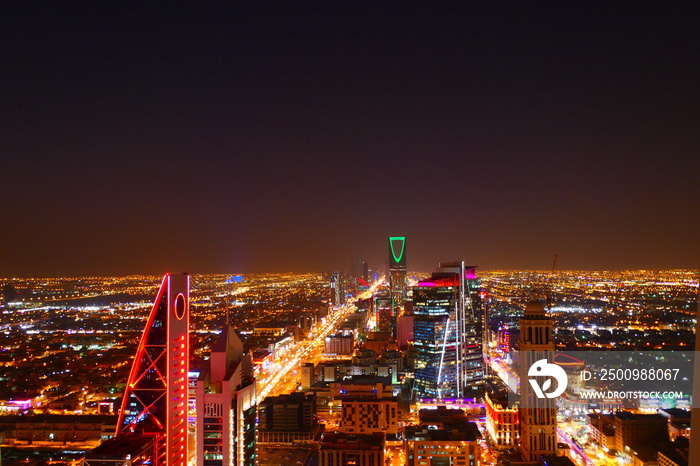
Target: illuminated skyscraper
{"points": [[226, 401], [447, 333], [538, 416], [337, 294], [397, 276], [152, 423]]}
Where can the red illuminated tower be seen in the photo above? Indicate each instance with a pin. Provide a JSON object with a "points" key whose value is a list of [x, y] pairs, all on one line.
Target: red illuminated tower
{"points": [[153, 416]]}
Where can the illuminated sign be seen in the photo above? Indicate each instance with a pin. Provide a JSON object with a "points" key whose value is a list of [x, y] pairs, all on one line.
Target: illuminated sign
{"points": [[398, 258]]}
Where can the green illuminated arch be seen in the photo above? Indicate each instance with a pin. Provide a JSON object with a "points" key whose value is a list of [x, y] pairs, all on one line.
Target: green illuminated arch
{"points": [[393, 251]]}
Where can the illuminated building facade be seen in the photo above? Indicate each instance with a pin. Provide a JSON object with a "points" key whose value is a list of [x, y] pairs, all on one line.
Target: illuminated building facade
{"points": [[337, 296], [153, 417], [369, 416], [341, 345], [351, 450], [504, 336], [447, 322], [538, 416], [226, 405], [382, 305], [502, 419], [397, 273], [444, 437]]}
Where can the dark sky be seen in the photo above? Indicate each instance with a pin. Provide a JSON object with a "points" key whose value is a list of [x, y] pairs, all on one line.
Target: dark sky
{"points": [[295, 136]]}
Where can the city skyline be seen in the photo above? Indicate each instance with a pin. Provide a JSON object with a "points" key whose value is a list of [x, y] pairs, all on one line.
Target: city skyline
{"points": [[267, 138], [330, 378]]}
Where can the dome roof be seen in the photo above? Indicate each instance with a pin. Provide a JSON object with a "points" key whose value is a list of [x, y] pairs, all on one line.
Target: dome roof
{"points": [[535, 308]]}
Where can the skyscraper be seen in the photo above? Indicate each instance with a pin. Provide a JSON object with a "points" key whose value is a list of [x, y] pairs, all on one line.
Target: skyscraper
{"points": [[226, 401], [337, 294], [153, 417], [397, 273], [538, 416], [447, 333]]}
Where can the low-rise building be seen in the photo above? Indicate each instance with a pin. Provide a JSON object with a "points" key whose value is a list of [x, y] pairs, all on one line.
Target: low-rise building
{"points": [[339, 344], [367, 416], [444, 436], [287, 419], [603, 430], [676, 453], [502, 420], [639, 429], [58, 429], [352, 450]]}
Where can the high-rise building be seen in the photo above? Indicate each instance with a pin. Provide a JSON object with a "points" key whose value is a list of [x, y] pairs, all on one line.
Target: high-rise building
{"points": [[308, 375], [538, 416], [337, 296], [404, 330], [359, 269], [226, 401], [397, 273], [382, 310], [152, 423], [447, 322]]}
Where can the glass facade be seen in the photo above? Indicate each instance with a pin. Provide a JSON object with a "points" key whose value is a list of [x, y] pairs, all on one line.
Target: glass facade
{"points": [[447, 326]]}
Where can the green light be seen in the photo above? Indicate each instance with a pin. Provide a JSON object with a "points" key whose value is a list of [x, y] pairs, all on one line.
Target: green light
{"points": [[403, 246]]}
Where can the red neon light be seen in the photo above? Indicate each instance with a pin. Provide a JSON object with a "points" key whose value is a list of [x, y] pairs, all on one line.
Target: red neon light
{"points": [[158, 371], [140, 352]]}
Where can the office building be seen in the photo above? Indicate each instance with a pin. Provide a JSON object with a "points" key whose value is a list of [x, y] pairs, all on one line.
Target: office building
{"points": [[352, 450], [369, 416], [152, 422], [676, 453], [502, 419], [447, 323], [635, 430], [602, 430], [443, 437], [404, 331], [287, 419], [340, 345], [308, 375], [383, 311], [337, 295], [226, 402]]}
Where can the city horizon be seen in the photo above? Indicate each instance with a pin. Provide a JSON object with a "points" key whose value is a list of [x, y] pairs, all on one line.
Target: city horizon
{"points": [[331, 270]]}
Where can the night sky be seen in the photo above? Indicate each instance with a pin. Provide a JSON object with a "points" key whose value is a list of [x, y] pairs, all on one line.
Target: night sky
{"points": [[296, 136]]}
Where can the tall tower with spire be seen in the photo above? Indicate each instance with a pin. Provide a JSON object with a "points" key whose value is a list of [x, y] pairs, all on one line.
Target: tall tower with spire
{"points": [[397, 277], [538, 416]]}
